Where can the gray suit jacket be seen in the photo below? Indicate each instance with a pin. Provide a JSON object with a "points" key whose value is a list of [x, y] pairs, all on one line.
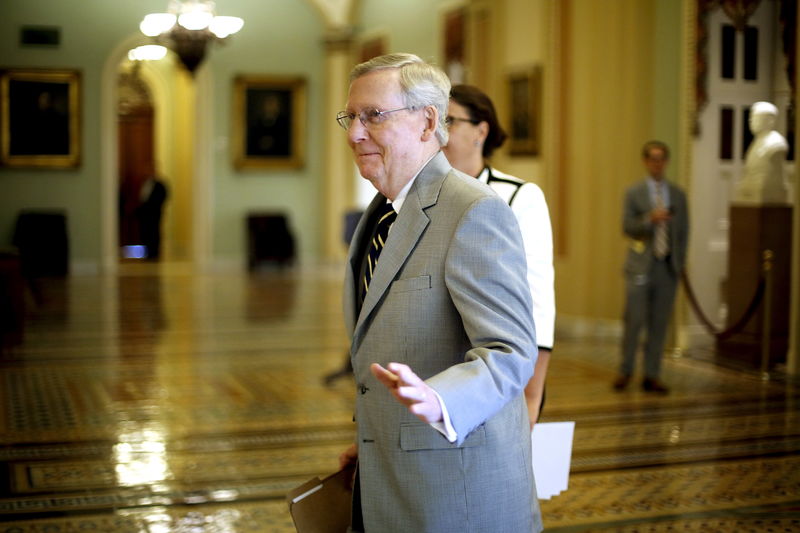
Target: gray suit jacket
{"points": [[449, 297], [637, 225]]}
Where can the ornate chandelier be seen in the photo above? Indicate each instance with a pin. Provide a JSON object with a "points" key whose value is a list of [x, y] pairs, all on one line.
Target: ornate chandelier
{"points": [[187, 27]]}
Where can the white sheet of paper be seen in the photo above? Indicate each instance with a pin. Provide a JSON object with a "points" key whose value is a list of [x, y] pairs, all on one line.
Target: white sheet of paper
{"points": [[552, 454]]}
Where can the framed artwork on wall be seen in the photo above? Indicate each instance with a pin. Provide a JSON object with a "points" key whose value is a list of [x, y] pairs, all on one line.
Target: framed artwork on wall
{"points": [[372, 46], [40, 118], [454, 23], [269, 121], [525, 98]]}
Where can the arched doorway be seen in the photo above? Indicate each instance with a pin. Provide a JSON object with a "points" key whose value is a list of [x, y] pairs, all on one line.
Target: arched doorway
{"points": [[179, 133], [139, 225]]}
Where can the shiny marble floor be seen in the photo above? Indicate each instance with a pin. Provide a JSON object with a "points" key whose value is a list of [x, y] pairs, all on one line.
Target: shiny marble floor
{"points": [[160, 400]]}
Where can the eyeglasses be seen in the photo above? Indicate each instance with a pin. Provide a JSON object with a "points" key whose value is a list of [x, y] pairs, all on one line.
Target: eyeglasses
{"points": [[449, 119], [368, 117]]}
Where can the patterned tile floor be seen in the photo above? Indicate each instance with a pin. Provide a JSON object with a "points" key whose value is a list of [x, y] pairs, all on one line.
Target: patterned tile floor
{"points": [[160, 400]]}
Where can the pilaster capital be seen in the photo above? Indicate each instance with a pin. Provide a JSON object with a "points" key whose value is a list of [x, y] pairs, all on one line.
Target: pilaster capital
{"points": [[338, 39]]}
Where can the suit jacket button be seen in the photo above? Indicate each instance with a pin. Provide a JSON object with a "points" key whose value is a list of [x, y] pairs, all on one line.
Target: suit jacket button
{"points": [[363, 389]]}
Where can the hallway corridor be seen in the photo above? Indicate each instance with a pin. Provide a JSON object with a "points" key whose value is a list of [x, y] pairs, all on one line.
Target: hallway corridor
{"points": [[164, 401]]}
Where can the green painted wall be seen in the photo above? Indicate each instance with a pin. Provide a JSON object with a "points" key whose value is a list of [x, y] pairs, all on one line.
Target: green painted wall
{"points": [[74, 191], [411, 26], [279, 37], [285, 39]]}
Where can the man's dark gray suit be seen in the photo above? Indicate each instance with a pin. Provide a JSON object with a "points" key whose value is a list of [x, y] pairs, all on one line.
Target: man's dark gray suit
{"points": [[650, 283], [449, 298]]}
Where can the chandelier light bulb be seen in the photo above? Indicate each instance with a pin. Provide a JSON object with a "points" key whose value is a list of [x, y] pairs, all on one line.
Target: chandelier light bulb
{"points": [[148, 52], [195, 20], [223, 26], [197, 27], [157, 23]]}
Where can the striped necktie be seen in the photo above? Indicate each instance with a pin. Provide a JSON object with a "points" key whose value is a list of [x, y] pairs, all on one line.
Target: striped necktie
{"points": [[386, 217], [660, 236]]}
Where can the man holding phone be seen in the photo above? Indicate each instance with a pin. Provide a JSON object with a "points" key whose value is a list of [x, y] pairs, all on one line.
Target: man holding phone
{"points": [[656, 220]]}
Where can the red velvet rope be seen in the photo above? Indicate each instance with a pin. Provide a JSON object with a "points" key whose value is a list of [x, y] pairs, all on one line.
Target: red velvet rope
{"points": [[736, 327]]}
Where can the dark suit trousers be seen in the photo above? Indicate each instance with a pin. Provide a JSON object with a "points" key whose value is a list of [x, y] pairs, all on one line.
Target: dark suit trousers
{"points": [[649, 300], [357, 520]]}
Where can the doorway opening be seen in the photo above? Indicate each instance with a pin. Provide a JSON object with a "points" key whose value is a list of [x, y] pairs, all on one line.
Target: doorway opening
{"points": [[155, 141]]}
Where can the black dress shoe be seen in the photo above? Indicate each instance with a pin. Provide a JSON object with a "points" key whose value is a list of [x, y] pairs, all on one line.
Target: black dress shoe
{"points": [[621, 382], [654, 385]]}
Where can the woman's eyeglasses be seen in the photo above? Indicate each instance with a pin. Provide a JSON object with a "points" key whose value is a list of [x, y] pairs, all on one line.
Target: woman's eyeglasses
{"points": [[449, 120]]}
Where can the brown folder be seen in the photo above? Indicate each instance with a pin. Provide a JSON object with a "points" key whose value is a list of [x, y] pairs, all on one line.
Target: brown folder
{"points": [[322, 505]]}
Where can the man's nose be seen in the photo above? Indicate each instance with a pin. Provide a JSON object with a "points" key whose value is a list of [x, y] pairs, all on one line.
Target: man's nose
{"points": [[357, 131]]}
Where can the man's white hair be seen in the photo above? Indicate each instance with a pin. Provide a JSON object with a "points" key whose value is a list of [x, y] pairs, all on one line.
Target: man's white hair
{"points": [[422, 84]]}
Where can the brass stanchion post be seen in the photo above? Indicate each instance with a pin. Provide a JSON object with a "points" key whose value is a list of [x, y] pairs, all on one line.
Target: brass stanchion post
{"points": [[766, 268]]}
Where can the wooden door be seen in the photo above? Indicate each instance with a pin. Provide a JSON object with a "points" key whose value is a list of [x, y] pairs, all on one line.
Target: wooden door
{"points": [[136, 164]]}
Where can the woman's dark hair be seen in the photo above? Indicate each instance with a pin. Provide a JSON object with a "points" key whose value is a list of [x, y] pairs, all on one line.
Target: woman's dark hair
{"points": [[480, 108]]}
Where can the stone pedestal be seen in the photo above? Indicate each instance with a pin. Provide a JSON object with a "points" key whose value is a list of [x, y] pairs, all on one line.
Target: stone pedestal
{"points": [[754, 229]]}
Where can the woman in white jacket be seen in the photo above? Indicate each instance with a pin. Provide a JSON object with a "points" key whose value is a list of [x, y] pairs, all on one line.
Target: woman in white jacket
{"points": [[474, 135]]}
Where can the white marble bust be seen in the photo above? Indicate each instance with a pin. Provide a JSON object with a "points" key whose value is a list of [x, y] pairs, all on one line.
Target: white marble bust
{"points": [[763, 180]]}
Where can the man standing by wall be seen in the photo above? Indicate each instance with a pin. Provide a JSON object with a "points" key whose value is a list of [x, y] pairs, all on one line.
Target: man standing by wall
{"points": [[153, 195], [441, 331], [656, 220]]}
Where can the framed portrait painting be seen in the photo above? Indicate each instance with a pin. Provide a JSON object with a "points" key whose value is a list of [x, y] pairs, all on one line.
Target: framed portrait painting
{"points": [[373, 46], [454, 23], [40, 118], [269, 120], [525, 98]]}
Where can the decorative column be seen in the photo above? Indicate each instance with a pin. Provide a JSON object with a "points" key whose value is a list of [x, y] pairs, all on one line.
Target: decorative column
{"points": [[793, 355], [337, 184]]}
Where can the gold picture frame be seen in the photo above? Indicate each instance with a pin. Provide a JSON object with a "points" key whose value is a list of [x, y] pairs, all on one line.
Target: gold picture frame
{"points": [[40, 118], [269, 121], [525, 98]]}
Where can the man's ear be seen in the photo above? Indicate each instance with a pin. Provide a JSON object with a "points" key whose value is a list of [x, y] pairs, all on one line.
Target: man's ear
{"points": [[431, 115]]}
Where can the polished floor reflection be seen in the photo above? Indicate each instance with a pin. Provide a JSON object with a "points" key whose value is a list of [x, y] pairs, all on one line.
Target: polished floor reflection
{"points": [[160, 400]]}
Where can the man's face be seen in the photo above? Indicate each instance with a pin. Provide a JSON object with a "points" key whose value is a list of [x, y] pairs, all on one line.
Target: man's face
{"points": [[655, 162], [388, 153]]}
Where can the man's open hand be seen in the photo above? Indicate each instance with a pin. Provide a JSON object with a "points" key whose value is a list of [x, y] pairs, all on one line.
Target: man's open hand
{"points": [[410, 390]]}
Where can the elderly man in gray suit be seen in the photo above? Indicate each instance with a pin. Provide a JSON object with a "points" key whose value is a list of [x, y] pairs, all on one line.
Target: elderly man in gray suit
{"points": [[656, 219], [439, 312]]}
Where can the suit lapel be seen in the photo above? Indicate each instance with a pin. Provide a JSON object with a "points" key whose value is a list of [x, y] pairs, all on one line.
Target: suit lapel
{"points": [[405, 233], [644, 196]]}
